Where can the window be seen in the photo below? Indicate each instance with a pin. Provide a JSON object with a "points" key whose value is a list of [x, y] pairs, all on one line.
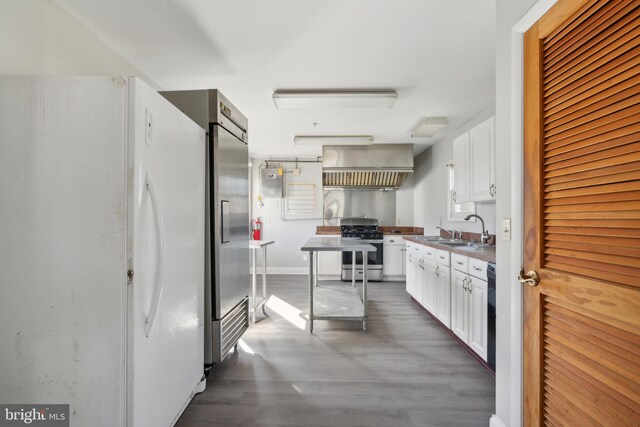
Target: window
{"points": [[456, 211]]}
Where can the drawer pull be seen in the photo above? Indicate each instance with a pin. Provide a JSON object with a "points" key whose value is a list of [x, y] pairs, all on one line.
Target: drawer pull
{"points": [[477, 268], [459, 262]]}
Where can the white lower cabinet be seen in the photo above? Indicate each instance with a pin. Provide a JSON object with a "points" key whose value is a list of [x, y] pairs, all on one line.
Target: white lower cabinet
{"points": [[410, 269], [469, 309], [454, 289], [459, 305], [394, 257], [443, 293], [414, 259], [329, 263], [429, 280], [478, 315], [429, 288]]}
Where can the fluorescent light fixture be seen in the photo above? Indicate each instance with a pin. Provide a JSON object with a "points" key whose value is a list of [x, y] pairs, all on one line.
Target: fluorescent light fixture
{"points": [[333, 140], [430, 127], [334, 99]]}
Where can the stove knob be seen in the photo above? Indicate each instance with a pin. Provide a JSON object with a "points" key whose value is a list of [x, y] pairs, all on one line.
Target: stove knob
{"points": [[362, 236]]}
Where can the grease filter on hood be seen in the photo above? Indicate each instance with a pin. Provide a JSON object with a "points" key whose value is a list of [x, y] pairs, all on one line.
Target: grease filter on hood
{"points": [[380, 166]]}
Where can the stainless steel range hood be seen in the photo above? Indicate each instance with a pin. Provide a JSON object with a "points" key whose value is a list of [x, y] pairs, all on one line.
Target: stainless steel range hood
{"points": [[380, 166]]}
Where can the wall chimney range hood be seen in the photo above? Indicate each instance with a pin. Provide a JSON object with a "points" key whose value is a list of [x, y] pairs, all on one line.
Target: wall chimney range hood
{"points": [[374, 167]]}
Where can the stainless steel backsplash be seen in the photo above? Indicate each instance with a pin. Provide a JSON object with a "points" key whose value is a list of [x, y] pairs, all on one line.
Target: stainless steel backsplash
{"points": [[359, 203]]}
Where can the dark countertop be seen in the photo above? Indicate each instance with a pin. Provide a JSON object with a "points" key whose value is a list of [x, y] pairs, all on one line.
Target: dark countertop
{"points": [[485, 254], [329, 230]]}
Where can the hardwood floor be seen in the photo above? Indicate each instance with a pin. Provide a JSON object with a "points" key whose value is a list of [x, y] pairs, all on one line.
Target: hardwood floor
{"points": [[406, 371]]}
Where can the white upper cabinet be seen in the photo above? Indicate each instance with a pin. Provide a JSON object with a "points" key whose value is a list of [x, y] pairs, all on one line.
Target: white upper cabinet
{"points": [[462, 178], [474, 160], [482, 165]]}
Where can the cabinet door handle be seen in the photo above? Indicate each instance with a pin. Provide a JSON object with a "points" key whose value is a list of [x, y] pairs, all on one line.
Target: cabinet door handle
{"points": [[453, 196], [464, 284], [470, 287]]}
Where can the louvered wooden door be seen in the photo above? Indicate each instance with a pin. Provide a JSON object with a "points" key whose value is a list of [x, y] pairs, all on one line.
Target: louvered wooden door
{"points": [[582, 215]]}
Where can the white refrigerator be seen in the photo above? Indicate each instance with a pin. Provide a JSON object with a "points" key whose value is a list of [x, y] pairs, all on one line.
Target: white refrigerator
{"points": [[102, 204]]}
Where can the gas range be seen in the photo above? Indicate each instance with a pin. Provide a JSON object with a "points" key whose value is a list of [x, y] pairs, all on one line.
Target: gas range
{"points": [[362, 233], [365, 229]]}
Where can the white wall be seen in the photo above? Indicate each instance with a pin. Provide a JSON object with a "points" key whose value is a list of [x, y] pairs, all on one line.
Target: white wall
{"points": [[37, 37], [284, 256], [509, 205], [430, 186], [404, 203]]}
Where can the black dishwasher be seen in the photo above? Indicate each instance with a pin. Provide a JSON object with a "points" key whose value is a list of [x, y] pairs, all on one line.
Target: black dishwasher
{"points": [[491, 330]]}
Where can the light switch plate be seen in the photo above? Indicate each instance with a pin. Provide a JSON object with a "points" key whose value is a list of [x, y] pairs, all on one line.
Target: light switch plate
{"points": [[506, 229]]}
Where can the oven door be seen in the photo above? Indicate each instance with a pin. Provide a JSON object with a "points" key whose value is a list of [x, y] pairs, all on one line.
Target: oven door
{"points": [[374, 259]]}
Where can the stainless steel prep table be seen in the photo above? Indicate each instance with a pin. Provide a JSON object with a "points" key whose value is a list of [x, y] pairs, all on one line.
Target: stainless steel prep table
{"points": [[254, 245], [337, 302]]}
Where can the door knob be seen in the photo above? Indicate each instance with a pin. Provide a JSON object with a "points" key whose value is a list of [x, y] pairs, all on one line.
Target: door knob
{"points": [[531, 278]]}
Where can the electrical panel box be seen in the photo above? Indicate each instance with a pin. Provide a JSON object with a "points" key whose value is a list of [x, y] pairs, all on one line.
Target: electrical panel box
{"points": [[271, 182]]}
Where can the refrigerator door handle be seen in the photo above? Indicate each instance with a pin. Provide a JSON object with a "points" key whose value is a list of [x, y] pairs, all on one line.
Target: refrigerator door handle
{"points": [[157, 290], [224, 221]]}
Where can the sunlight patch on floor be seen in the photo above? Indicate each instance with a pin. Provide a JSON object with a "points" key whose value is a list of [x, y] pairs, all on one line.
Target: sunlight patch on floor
{"points": [[245, 347], [290, 313]]}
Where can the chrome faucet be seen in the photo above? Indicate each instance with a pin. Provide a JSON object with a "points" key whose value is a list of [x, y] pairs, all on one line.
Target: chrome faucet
{"points": [[484, 237], [452, 233]]}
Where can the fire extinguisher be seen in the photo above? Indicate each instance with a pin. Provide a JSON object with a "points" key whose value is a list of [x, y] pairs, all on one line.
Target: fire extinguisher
{"points": [[256, 228]]}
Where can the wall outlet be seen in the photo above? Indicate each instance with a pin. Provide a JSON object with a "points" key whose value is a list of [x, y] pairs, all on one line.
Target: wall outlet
{"points": [[506, 229]]}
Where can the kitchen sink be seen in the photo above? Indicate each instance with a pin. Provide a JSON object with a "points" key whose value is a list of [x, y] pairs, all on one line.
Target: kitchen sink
{"points": [[451, 242], [466, 245], [456, 243], [435, 239]]}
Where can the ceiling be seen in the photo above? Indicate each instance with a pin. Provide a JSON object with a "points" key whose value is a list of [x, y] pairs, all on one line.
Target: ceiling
{"points": [[437, 54]]}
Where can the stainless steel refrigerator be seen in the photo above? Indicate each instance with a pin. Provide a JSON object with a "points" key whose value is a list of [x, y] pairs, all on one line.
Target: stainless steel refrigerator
{"points": [[227, 277]]}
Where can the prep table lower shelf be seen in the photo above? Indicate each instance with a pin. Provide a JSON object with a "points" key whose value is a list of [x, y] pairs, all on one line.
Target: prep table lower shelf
{"points": [[337, 301]]}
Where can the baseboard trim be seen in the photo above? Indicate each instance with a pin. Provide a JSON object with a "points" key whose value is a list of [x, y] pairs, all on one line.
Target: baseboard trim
{"points": [[284, 270], [494, 421]]}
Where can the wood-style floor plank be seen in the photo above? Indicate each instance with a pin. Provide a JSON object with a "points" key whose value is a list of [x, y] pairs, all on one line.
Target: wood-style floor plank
{"points": [[406, 371]]}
